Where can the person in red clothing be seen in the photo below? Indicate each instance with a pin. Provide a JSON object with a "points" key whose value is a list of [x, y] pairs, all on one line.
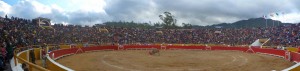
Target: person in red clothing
{"points": [[3, 52], [44, 52], [2, 58]]}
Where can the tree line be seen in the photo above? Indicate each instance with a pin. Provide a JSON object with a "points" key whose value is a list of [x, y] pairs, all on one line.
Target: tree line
{"points": [[169, 22]]}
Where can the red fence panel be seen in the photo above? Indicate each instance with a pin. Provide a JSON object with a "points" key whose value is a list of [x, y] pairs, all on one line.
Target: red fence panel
{"points": [[99, 48], [141, 46], [62, 52], [270, 51], [186, 47], [295, 57], [229, 48]]}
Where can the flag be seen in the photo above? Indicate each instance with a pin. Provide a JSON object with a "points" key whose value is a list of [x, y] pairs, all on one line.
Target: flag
{"points": [[277, 14]]}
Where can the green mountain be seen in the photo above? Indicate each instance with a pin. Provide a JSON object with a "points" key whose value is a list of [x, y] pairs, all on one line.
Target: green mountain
{"points": [[250, 23]]}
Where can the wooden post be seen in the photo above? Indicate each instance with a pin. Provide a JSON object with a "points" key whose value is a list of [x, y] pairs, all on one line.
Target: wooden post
{"points": [[15, 59]]}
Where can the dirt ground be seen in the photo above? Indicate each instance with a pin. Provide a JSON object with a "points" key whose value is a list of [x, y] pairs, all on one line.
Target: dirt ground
{"points": [[173, 60]]}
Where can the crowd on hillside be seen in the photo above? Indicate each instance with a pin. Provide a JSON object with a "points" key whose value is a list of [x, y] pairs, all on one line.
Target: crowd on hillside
{"points": [[18, 32]]}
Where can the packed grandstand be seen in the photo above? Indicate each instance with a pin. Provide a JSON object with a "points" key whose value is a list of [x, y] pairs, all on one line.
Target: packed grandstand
{"points": [[25, 32], [19, 32]]}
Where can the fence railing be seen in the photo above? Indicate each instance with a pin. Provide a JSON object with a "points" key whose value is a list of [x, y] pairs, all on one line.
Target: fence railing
{"points": [[54, 66], [23, 60]]}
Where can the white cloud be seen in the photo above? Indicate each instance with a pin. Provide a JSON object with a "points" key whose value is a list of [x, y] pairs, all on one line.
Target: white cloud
{"points": [[198, 12], [56, 7], [4, 8], [288, 18], [32, 9], [40, 8], [87, 5], [29, 9], [132, 10], [219, 11]]}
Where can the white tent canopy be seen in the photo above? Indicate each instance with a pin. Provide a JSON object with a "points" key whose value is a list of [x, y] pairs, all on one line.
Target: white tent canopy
{"points": [[259, 42]]}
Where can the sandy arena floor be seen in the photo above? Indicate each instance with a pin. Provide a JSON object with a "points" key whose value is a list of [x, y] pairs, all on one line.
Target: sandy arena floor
{"points": [[173, 60]]}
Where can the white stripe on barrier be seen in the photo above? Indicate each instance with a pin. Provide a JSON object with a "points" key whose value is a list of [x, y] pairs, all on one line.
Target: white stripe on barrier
{"points": [[62, 56], [57, 64], [270, 54], [292, 67]]}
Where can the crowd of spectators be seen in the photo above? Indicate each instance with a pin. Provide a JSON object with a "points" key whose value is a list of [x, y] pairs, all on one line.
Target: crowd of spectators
{"points": [[14, 32], [18, 33], [281, 35]]}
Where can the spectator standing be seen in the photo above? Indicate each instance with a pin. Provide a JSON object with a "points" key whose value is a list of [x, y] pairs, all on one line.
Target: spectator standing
{"points": [[32, 56], [2, 61], [43, 51], [3, 53]]}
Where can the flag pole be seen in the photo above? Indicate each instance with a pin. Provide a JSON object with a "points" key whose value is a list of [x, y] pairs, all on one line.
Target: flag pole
{"points": [[273, 23], [272, 15], [278, 23], [266, 22]]}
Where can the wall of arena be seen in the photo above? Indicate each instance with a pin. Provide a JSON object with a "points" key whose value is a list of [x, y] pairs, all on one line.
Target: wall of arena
{"points": [[69, 50]]}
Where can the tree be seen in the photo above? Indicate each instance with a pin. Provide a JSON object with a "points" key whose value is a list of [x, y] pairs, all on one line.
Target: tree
{"points": [[168, 20], [187, 26], [125, 24]]}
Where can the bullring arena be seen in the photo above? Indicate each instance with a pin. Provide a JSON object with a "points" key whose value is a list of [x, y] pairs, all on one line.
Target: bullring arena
{"points": [[171, 58]]}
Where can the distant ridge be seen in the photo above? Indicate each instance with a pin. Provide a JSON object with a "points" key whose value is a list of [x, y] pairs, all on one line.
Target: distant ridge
{"points": [[250, 23]]}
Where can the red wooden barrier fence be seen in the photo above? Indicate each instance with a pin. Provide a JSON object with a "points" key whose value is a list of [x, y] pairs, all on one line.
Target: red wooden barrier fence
{"points": [[293, 56]]}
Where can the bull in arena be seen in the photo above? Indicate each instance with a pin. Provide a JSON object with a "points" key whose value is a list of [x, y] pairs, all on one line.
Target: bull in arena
{"points": [[154, 51]]}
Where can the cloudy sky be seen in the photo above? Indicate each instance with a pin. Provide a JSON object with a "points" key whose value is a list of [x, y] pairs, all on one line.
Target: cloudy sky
{"points": [[197, 12]]}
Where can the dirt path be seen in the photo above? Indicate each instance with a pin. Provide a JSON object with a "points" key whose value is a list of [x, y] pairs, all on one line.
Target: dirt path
{"points": [[173, 60]]}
